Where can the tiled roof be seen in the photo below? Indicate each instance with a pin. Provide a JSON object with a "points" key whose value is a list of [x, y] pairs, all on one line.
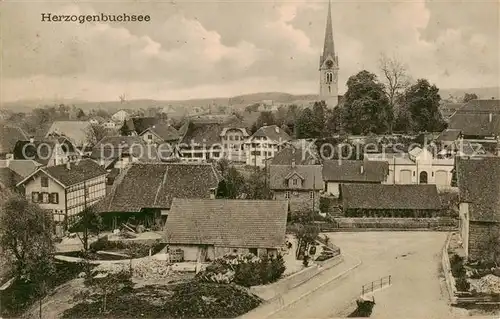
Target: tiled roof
{"points": [[227, 223], [311, 175], [78, 172], [140, 124], [478, 181], [75, 131], [201, 133], [351, 171], [112, 147], [272, 132], [39, 151], [382, 196], [164, 131], [9, 136], [21, 167], [290, 153], [153, 185], [478, 117], [449, 135]]}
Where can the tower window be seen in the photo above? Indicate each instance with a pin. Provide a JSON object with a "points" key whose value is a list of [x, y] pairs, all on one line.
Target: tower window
{"points": [[329, 77]]}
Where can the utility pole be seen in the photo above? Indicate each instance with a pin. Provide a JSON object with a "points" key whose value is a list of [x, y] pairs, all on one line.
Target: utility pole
{"points": [[314, 194], [85, 218]]}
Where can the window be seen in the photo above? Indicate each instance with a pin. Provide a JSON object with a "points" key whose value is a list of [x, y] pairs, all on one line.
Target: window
{"points": [[54, 198], [311, 195], [294, 182], [45, 198], [34, 197], [287, 194], [413, 173], [230, 137], [44, 181], [150, 137]]}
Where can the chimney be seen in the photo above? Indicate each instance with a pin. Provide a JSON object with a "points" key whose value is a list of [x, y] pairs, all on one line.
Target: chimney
{"points": [[212, 193], [293, 162], [32, 139], [68, 165], [491, 117], [362, 170], [277, 129]]}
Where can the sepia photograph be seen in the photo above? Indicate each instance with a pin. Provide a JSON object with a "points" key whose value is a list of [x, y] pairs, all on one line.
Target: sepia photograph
{"points": [[250, 159]]}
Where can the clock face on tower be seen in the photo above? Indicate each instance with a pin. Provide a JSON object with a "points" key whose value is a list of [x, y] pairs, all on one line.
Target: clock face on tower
{"points": [[329, 64]]}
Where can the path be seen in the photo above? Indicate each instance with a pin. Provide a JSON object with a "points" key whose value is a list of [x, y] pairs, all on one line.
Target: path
{"points": [[412, 258]]}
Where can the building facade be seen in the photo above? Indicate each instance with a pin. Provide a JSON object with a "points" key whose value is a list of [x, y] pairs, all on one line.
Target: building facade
{"points": [[233, 142], [265, 144], [66, 190]]}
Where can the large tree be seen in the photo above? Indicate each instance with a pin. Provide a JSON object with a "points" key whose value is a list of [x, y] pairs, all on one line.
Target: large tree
{"points": [[420, 103], [304, 124], [25, 235], [95, 133], [395, 79], [469, 97], [366, 107]]}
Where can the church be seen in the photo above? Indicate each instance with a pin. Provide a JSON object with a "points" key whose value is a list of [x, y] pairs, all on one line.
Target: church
{"points": [[329, 67]]}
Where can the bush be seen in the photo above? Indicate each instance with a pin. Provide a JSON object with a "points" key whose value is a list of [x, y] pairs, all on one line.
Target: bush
{"points": [[248, 270], [462, 284], [457, 266]]}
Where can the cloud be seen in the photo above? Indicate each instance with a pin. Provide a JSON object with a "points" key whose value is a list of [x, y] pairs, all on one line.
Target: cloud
{"points": [[223, 49]]}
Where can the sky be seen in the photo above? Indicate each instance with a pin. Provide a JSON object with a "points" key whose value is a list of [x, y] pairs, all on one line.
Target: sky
{"points": [[202, 49]]}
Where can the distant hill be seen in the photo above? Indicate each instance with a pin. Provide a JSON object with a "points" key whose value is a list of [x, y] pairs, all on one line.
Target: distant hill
{"points": [[236, 103]]}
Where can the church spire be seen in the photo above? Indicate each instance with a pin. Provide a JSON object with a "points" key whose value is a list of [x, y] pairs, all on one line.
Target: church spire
{"points": [[329, 48]]}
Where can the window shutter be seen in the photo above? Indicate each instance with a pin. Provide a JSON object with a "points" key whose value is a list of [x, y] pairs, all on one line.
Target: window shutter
{"points": [[40, 197], [56, 198], [34, 197]]}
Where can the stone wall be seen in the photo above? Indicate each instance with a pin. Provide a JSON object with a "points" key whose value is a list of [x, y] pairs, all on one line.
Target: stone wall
{"points": [[283, 285], [479, 234]]}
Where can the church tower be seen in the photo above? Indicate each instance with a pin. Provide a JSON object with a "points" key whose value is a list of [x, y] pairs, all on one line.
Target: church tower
{"points": [[329, 67]]}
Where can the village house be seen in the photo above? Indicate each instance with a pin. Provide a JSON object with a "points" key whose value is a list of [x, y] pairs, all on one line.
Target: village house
{"points": [[337, 172], [205, 229], [9, 136], [120, 116], [233, 141], [160, 133], [75, 131], [136, 125], [448, 109], [264, 144], [418, 166], [448, 137], [47, 152], [109, 125], [66, 189], [144, 191], [297, 154], [478, 182], [382, 200], [116, 152], [299, 185], [478, 121]]}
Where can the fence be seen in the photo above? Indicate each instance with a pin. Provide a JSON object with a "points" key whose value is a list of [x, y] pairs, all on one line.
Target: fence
{"points": [[376, 284], [346, 223]]}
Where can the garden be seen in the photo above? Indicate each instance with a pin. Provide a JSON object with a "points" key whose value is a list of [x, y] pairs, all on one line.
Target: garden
{"points": [[477, 282]]}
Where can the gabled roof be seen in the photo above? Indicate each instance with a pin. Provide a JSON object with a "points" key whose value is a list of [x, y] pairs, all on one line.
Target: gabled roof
{"points": [[478, 182], [477, 118], [382, 196], [228, 128], [75, 131], [153, 185], [291, 153], [227, 223], [21, 167], [9, 135], [272, 132], [113, 147], [39, 151], [310, 174], [163, 131], [140, 124], [355, 171], [78, 172], [201, 133]]}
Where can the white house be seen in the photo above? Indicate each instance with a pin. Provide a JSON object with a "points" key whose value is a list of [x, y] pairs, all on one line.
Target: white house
{"points": [[109, 124], [419, 166], [264, 144], [120, 116]]}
